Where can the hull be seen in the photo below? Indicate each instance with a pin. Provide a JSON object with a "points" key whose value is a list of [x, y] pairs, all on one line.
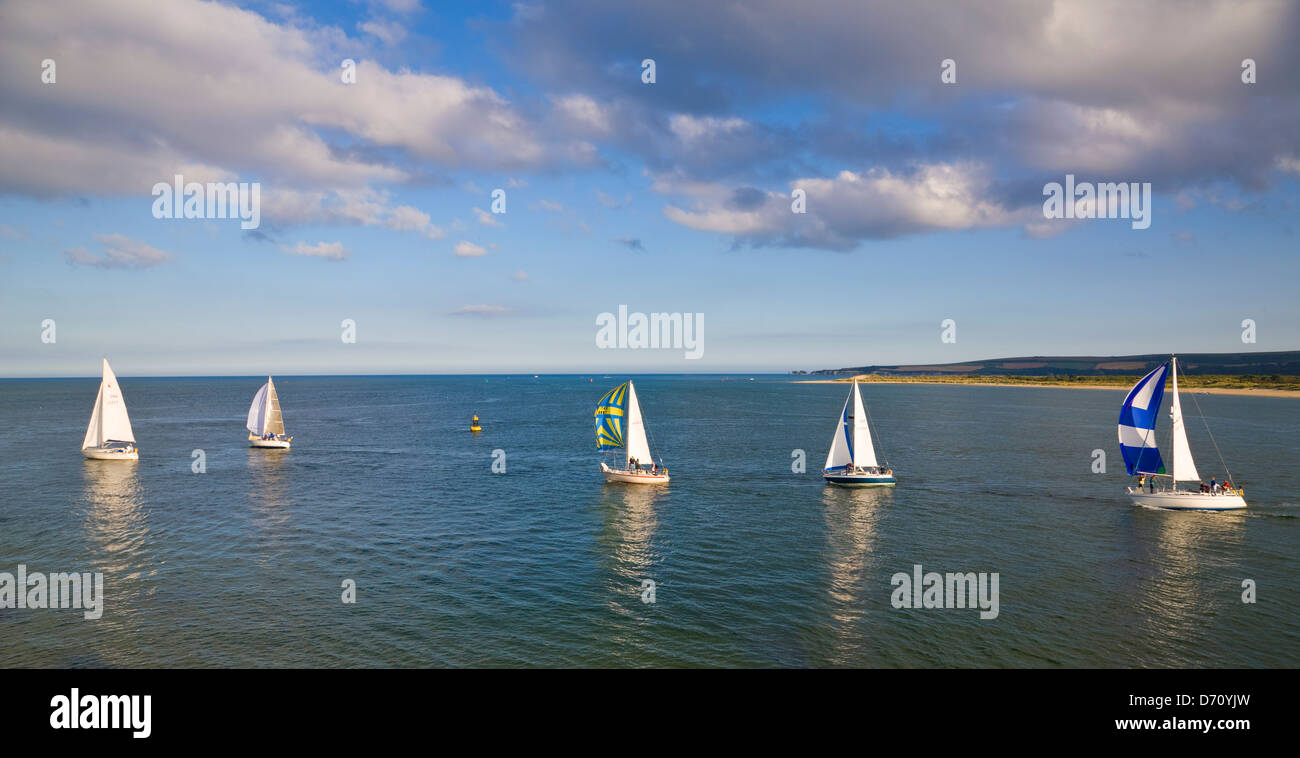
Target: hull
{"points": [[1187, 501], [268, 444], [629, 477], [860, 480], [110, 454]]}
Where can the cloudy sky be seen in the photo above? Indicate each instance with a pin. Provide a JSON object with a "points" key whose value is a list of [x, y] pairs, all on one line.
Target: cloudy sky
{"points": [[924, 199]]}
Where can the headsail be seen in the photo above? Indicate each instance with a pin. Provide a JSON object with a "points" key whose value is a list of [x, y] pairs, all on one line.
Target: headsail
{"points": [[1137, 424], [1184, 467], [610, 412], [841, 452], [257, 411], [94, 432]]}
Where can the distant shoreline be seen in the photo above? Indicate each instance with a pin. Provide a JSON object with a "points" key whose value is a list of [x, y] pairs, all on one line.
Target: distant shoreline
{"points": [[975, 382]]}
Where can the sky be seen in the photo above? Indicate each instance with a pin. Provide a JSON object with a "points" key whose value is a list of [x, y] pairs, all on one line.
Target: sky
{"points": [[918, 136]]}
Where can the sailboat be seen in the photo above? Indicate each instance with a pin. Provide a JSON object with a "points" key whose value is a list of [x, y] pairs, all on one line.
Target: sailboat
{"points": [[638, 466], [109, 436], [1137, 443], [265, 422], [851, 461]]}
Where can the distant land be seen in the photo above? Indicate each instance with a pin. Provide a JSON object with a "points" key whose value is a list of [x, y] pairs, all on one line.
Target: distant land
{"points": [[1284, 362], [1275, 374]]}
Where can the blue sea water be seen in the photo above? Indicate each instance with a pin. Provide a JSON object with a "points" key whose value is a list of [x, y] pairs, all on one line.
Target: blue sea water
{"points": [[753, 564]]}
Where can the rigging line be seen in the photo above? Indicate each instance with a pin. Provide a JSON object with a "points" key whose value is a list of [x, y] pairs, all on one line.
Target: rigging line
{"points": [[651, 439], [1217, 452]]}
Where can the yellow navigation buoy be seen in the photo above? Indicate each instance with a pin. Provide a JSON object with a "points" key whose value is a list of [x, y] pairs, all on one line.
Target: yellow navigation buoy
{"points": [[473, 425]]}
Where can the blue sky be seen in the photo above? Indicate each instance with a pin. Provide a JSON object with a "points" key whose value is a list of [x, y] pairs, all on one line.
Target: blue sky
{"points": [[924, 199]]}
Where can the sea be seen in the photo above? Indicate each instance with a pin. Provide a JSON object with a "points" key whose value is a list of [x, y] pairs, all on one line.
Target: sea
{"points": [[390, 536]]}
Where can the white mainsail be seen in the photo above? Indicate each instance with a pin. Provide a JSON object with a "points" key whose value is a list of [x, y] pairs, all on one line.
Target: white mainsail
{"points": [[1184, 469], [864, 453], [637, 446], [108, 421], [264, 414], [274, 418]]}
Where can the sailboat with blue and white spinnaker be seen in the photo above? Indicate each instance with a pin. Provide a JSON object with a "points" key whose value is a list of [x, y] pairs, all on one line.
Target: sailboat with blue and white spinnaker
{"points": [[1137, 443]]}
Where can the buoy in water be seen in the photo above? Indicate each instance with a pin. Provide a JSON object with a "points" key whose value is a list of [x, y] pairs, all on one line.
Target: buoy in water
{"points": [[473, 425]]}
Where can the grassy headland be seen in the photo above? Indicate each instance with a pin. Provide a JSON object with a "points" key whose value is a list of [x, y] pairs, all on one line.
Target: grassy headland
{"points": [[1277, 385]]}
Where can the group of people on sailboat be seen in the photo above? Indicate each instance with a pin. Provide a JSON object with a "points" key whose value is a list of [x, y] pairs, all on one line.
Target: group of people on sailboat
{"points": [[1215, 487], [634, 464]]}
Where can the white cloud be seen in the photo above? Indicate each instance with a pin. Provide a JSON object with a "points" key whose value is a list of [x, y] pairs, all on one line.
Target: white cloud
{"points": [[363, 207], [846, 209], [163, 88], [120, 251], [469, 250], [482, 311], [582, 113], [401, 6], [485, 218], [690, 128], [391, 33], [329, 250]]}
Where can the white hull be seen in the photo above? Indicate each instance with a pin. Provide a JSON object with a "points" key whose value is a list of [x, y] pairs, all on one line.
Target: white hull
{"points": [[110, 454], [269, 444], [1187, 501], [631, 477]]}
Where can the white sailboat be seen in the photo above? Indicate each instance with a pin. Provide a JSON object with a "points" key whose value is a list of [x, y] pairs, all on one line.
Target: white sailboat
{"points": [[851, 461], [265, 422], [109, 436], [620, 405], [1137, 443]]}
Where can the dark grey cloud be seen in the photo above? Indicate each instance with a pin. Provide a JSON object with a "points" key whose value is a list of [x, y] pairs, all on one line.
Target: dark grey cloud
{"points": [[755, 97]]}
